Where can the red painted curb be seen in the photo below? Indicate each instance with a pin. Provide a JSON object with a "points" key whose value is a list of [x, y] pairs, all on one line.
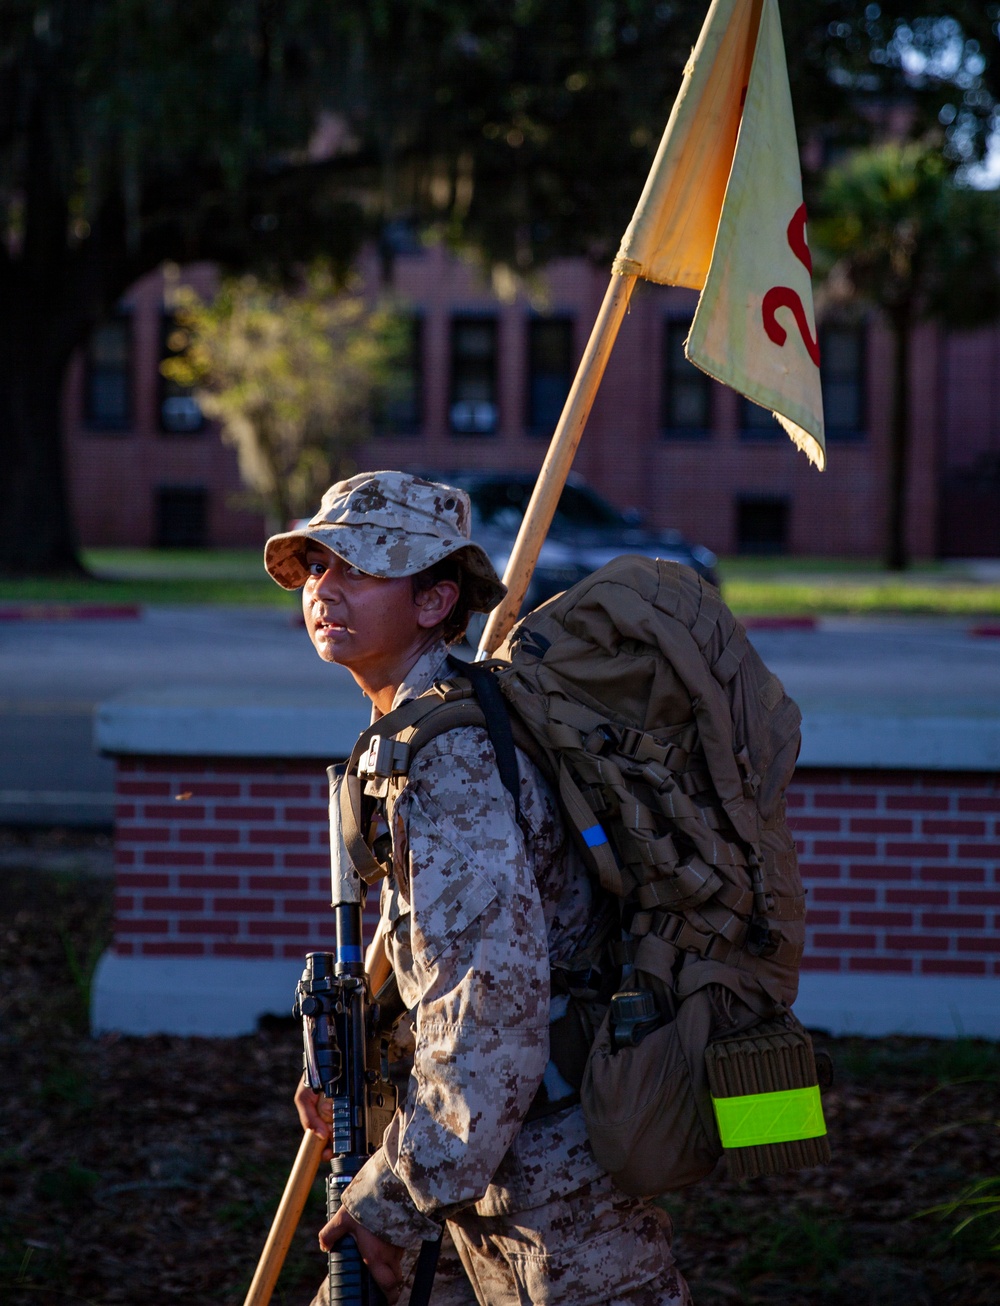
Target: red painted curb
{"points": [[70, 612], [985, 631], [779, 623]]}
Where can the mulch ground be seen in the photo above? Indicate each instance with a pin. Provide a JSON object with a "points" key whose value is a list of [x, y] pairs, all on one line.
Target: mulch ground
{"points": [[146, 1170]]}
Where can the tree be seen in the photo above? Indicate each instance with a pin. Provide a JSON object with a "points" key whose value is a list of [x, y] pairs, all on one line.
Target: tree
{"points": [[896, 231], [291, 377], [258, 133]]}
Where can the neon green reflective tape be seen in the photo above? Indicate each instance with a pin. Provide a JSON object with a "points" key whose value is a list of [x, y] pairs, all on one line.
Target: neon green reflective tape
{"points": [[762, 1118]]}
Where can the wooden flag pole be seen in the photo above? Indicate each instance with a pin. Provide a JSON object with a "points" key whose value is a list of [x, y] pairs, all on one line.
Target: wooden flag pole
{"points": [[558, 460], [286, 1220]]}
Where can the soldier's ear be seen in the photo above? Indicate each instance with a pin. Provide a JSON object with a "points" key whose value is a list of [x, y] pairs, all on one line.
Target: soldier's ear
{"points": [[435, 603]]}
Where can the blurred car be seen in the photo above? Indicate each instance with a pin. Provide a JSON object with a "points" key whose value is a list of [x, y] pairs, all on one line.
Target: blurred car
{"points": [[586, 532]]}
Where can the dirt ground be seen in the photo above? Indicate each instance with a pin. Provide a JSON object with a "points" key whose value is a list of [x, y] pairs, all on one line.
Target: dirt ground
{"points": [[140, 1170]]}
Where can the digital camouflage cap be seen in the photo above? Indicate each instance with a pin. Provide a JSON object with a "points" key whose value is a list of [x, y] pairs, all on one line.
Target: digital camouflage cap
{"points": [[390, 524]]}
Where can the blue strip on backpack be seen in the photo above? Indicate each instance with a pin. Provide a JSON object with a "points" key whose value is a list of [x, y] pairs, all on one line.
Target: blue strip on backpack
{"points": [[594, 836]]}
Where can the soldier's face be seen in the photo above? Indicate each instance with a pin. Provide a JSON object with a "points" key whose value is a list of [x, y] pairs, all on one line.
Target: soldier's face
{"points": [[354, 619]]}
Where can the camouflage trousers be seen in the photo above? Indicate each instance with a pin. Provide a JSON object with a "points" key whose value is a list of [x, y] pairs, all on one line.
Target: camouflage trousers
{"points": [[595, 1247]]}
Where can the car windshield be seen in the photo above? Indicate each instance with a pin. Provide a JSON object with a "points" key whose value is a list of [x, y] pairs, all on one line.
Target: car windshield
{"points": [[502, 504]]}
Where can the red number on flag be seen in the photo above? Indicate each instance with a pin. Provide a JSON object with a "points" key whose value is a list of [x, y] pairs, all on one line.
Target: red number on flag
{"points": [[785, 297]]}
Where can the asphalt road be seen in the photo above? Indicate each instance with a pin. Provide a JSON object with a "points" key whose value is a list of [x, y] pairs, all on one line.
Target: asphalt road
{"points": [[54, 673]]}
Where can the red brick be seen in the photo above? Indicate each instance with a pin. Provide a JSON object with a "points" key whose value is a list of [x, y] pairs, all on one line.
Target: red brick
{"points": [[174, 949], [172, 904], [979, 804], [283, 883], [125, 811], [880, 825], [211, 789], [819, 870], [915, 848], [209, 834], [124, 856], [244, 812], [846, 801], [844, 939], [883, 965], [243, 858], [143, 788], [306, 906], [208, 881], [140, 880], [916, 803], [916, 943], [890, 919], [951, 966], [280, 928], [311, 815], [242, 950], [975, 850], [813, 824], [952, 920], [794, 798], [954, 874], [139, 925], [173, 857], [816, 918], [124, 949], [124, 902], [968, 828], [843, 848], [991, 944], [973, 897], [243, 904], [208, 925], [878, 871], [820, 963], [176, 812], [918, 897], [307, 861], [823, 893], [260, 790], [145, 834], [279, 836]]}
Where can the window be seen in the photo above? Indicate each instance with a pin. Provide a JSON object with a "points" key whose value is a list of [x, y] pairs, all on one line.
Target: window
{"points": [[181, 517], [842, 356], [108, 375], [762, 524], [758, 423], [687, 390], [550, 371], [180, 413], [399, 405], [473, 406]]}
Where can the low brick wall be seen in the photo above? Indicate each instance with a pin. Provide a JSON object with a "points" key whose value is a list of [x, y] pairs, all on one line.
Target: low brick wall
{"points": [[229, 859]]}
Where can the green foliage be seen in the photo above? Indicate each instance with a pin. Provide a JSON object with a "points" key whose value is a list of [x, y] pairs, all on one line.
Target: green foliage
{"points": [[938, 1061], [978, 1206], [290, 376]]}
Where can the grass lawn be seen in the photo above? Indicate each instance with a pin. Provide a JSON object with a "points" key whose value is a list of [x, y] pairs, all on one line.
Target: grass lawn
{"points": [[751, 586]]}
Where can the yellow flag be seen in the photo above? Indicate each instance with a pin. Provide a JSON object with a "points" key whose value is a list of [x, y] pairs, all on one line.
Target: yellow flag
{"points": [[722, 212]]}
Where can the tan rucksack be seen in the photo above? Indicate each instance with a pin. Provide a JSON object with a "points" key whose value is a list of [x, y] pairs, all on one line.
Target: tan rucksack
{"points": [[670, 745]]}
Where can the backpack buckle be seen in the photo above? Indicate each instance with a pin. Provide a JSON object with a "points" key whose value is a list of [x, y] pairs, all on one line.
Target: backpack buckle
{"points": [[451, 691], [386, 756]]}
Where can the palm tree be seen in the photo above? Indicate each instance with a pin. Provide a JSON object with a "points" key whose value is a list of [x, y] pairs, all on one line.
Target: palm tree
{"points": [[895, 230]]}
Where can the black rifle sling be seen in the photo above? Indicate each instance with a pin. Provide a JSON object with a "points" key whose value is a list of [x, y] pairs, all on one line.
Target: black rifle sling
{"points": [[423, 1274]]}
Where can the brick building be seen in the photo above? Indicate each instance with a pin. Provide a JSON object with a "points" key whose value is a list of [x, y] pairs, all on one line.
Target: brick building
{"points": [[484, 389]]}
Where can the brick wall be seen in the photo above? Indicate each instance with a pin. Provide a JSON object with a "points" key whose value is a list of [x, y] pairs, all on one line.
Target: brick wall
{"points": [[230, 859]]}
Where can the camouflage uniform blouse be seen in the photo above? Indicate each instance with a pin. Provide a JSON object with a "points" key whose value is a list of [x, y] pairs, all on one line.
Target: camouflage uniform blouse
{"points": [[476, 908]]}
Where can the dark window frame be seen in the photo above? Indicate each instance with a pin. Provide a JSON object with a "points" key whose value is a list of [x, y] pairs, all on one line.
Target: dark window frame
{"points": [[776, 548], [200, 494], [92, 420], [533, 424], [470, 430], [858, 432], [675, 326]]}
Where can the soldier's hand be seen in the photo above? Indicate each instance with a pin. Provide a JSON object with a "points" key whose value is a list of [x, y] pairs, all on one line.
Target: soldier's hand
{"points": [[315, 1113], [384, 1260]]}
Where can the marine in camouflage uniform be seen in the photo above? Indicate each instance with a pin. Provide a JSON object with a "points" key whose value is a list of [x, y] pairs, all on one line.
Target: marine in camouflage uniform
{"points": [[478, 907]]}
